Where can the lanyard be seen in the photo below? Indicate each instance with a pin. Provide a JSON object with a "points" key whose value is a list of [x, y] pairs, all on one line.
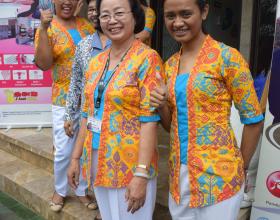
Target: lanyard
{"points": [[102, 84]]}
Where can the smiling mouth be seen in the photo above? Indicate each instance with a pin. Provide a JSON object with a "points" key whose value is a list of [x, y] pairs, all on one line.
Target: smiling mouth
{"points": [[181, 31], [66, 9], [114, 30]]}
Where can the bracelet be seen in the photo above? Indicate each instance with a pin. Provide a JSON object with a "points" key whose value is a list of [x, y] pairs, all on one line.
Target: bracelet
{"points": [[144, 175], [142, 166]]}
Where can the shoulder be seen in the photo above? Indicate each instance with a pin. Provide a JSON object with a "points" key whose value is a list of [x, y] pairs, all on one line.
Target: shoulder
{"points": [[85, 24], [171, 61], [144, 51], [97, 61], [229, 54], [82, 20], [85, 42], [171, 65]]}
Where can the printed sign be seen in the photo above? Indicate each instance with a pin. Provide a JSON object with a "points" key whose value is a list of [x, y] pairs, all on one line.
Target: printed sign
{"points": [[25, 90]]}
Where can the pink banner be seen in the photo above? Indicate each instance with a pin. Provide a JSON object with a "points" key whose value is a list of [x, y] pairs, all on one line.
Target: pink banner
{"points": [[19, 20], [25, 90]]}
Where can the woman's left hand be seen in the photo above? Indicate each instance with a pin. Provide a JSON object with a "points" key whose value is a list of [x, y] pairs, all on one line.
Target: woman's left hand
{"points": [[136, 193]]}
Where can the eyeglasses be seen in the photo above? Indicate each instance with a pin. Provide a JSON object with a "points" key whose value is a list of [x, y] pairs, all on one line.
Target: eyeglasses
{"points": [[92, 10], [117, 16]]}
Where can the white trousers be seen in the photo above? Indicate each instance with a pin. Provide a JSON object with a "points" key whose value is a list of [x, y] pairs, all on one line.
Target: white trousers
{"points": [[63, 150], [225, 210], [112, 204]]}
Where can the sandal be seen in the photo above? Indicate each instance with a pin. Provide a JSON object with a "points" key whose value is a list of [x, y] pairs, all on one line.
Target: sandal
{"points": [[98, 217], [92, 205], [56, 207]]}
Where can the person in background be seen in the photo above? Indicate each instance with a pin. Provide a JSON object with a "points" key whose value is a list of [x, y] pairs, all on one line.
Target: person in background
{"points": [[204, 78], [119, 155], [88, 48], [55, 44], [150, 19]]}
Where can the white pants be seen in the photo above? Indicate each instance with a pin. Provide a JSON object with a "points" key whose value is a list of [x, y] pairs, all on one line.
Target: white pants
{"points": [[225, 210], [63, 150], [112, 204]]}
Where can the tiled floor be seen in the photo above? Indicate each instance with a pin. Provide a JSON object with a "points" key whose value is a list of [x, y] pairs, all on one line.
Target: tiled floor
{"points": [[10, 209]]}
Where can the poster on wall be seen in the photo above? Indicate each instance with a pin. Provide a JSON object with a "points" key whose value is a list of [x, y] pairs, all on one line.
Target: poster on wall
{"points": [[25, 90], [267, 194]]}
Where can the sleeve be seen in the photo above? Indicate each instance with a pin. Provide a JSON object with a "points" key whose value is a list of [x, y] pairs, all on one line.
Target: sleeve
{"points": [[36, 39], [86, 92], [150, 18], [241, 86], [74, 93], [150, 76]]}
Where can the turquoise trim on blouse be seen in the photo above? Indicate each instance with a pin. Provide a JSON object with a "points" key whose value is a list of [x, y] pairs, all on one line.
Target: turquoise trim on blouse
{"points": [[182, 115], [148, 29], [153, 118], [254, 120], [75, 35], [84, 114]]}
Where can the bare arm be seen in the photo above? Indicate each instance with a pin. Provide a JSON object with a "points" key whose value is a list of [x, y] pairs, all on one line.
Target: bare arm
{"points": [[250, 137], [74, 168], [136, 190], [148, 142], [43, 52], [165, 117], [143, 35], [78, 149]]}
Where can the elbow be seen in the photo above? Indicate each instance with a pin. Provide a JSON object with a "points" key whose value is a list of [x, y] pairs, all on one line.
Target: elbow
{"points": [[43, 65]]}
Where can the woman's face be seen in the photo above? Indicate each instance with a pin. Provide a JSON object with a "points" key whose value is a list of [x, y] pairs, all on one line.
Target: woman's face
{"points": [[183, 19], [65, 8], [116, 20], [92, 13]]}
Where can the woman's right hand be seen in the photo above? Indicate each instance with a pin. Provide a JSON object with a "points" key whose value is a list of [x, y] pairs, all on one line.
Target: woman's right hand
{"points": [[68, 128], [159, 97], [46, 18], [74, 173]]}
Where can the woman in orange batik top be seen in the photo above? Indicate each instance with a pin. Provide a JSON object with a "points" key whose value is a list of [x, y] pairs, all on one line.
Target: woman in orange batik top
{"points": [[119, 126], [55, 44], [204, 77]]}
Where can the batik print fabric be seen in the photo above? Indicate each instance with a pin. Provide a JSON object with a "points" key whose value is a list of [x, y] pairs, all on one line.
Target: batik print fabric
{"points": [[150, 19], [220, 75], [88, 48], [63, 50], [126, 105]]}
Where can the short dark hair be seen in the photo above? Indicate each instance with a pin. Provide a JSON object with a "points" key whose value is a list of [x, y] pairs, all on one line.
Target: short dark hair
{"points": [[136, 10], [88, 1], [201, 4]]}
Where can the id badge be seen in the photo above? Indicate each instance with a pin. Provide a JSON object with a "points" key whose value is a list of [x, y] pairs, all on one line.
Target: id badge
{"points": [[94, 125]]}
